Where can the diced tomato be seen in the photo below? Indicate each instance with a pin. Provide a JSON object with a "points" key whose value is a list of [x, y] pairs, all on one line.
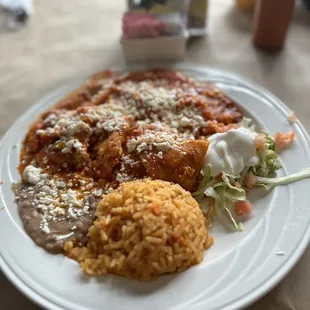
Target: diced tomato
{"points": [[260, 140], [249, 180], [243, 208], [282, 140], [219, 176]]}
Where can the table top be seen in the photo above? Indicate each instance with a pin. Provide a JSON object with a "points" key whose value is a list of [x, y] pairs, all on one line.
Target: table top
{"points": [[68, 40]]}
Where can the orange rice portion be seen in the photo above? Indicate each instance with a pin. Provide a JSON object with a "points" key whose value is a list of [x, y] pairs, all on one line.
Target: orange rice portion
{"points": [[144, 229]]}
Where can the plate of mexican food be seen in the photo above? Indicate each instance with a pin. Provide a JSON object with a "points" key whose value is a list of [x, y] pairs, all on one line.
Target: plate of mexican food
{"points": [[166, 188]]}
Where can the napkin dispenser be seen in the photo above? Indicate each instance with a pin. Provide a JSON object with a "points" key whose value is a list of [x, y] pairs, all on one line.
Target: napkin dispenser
{"points": [[154, 30]]}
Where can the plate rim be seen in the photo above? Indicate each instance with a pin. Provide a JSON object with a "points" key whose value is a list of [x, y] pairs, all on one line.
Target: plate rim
{"points": [[242, 301]]}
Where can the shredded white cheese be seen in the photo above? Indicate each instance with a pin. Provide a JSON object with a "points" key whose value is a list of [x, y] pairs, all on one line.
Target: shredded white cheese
{"points": [[32, 174]]}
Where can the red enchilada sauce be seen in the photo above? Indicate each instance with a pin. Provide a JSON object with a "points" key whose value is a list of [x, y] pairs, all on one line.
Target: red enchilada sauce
{"points": [[113, 129]]}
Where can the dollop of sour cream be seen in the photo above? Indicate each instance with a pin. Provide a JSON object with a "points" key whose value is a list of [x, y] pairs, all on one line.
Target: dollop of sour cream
{"points": [[231, 152]]}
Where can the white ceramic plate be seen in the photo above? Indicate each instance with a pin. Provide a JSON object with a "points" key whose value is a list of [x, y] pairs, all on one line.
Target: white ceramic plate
{"points": [[237, 270]]}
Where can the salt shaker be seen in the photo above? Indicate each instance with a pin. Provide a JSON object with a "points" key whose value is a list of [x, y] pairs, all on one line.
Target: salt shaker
{"points": [[271, 22]]}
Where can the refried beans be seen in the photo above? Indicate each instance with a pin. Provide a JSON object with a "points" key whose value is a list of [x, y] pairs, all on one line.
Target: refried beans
{"points": [[113, 129]]}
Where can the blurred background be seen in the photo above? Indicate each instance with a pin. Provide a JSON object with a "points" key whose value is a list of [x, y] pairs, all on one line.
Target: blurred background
{"points": [[46, 44]]}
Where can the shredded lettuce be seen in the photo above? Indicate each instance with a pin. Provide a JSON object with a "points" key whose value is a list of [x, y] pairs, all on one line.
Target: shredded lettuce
{"points": [[204, 183], [268, 159], [218, 195], [229, 178], [206, 172], [238, 226], [303, 174], [270, 144], [211, 192], [223, 191]]}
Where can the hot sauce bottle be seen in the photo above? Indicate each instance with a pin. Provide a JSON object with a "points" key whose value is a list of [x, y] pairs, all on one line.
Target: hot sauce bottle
{"points": [[271, 23]]}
